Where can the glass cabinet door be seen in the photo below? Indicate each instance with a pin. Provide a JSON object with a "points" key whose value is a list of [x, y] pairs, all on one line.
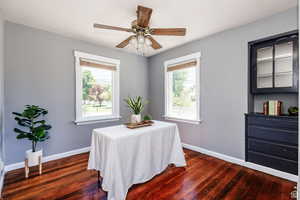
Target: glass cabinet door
{"points": [[273, 63], [264, 71], [283, 65]]}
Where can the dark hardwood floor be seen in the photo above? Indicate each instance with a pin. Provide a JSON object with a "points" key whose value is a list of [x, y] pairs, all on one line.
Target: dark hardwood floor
{"points": [[204, 178]]}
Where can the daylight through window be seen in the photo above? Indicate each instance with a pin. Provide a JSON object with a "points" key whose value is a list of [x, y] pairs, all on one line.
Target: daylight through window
{"points": [[182, 88], [96, 88]]}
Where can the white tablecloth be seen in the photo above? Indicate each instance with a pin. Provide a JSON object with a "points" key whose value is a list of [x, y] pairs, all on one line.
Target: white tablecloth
{"points": [[129, 156]]}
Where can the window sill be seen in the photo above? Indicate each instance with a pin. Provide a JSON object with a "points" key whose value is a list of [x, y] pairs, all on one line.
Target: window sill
{"points": [[189, 121], [95, 121]]}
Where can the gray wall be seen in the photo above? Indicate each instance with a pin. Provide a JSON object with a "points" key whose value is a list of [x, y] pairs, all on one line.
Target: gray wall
{"points": [[1, 99], [40, 70], [224, 81], [1, 84]]}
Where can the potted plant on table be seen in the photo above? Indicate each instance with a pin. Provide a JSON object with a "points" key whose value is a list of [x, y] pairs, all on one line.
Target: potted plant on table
{"points": [[147, 118], [37, 130], [137, 106]]}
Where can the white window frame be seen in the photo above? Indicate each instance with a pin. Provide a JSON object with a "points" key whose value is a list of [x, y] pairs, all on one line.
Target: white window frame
{"points": [[115, 90], [195, 56]]}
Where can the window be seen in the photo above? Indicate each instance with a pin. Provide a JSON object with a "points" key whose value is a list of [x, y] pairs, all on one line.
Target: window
{"points": [[97, 88], [182, 88]]}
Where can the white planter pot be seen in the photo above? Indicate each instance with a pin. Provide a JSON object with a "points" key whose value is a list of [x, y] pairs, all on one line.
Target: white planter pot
{"points": [[33, 157], [136, 118]]}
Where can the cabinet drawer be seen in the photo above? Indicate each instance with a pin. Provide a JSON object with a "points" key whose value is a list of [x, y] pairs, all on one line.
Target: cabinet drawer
{"points": [[274, 122], [272, 134], [283, 151], [273, 162]]}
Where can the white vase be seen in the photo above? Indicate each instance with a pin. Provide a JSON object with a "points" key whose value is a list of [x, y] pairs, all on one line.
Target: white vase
{"points": [[33, 157], [136, 118]]}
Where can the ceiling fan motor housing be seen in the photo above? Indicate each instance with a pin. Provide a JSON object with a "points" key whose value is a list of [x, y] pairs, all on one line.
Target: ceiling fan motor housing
{"points": [[140, 30]]}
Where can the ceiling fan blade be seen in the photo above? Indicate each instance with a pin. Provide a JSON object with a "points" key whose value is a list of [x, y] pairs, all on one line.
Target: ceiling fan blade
{"points": [[125, 42], [168, 31], [154, 43], [102, 26], [143, 16]]}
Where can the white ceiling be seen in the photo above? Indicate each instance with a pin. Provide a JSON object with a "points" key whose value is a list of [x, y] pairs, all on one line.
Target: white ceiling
{"points": [[74, 18]]}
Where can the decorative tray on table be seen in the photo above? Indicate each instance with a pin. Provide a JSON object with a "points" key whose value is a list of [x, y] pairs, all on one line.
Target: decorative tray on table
{"points": [[139, 125]]}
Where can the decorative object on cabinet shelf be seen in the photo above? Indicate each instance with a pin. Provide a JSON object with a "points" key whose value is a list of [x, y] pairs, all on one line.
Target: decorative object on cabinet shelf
{"points": [[37, 131], [266, 108], [274, 107], [293, 111]]}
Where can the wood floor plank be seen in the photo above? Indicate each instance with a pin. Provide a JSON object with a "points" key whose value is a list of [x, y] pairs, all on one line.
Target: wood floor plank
{"points": [[187, 180], [141, 190], [14, 176], [36, 181], [204, 178], [243, 187]]}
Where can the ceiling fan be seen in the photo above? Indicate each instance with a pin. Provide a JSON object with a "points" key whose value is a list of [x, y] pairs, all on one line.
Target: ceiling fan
{"points": [[142, 33]]}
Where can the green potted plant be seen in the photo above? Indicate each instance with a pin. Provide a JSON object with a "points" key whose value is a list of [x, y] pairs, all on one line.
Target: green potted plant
{"points": [[293, 111], [36, 130], [137, 106], [147, 118]]}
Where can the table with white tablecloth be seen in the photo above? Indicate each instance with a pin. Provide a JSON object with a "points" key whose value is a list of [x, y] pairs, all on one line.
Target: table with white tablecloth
{"points": [[129, 156]]}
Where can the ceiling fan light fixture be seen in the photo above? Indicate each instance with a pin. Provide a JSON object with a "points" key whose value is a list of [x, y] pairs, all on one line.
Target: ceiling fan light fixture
{"points": [[141, 39], [140, 48]]}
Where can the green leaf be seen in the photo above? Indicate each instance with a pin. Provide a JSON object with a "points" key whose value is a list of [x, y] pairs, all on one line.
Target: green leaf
{"points": [[44, 112], [37, 115], [42, 127], [40, 122], [20, 131], [40, 133], [47, 127], [18, 114], [21, 136], [23, 123], [23, 119]]}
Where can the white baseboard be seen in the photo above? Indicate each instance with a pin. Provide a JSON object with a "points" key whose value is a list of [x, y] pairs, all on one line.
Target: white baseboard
{"points": [[241, 162], [2, 174], [48, 158]]}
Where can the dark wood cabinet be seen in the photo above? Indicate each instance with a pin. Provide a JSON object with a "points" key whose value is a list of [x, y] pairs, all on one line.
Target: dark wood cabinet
{"points": [[274, 64], [272, 141]]}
